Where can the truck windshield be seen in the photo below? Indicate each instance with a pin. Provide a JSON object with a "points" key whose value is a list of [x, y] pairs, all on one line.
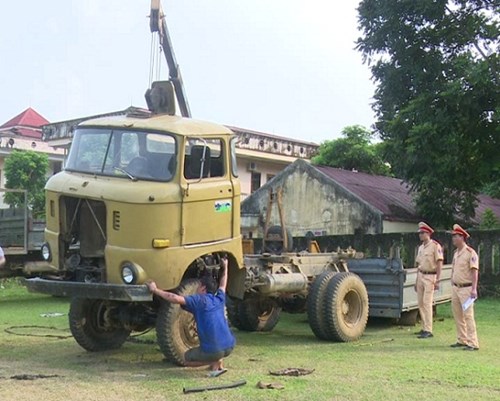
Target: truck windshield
{"points": [[132, 154]]}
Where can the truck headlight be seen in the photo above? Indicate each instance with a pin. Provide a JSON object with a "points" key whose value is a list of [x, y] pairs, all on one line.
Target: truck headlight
{"points": [[129, 273], [46, 253]]}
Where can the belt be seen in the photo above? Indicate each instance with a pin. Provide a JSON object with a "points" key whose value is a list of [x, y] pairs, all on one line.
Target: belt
{"points": [[421, 271], [462, 285]]}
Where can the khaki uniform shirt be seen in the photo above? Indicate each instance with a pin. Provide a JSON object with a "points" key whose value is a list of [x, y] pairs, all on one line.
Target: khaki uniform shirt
{"points": [[463, 263], [428, 256]]}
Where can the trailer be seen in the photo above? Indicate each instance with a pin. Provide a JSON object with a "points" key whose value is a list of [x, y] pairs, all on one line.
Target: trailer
{"points": [[21, 236]]}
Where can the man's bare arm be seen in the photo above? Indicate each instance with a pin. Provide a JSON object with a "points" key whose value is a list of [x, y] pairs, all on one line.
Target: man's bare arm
{"points": [[167, 296], [2, 261], [223, 279]]}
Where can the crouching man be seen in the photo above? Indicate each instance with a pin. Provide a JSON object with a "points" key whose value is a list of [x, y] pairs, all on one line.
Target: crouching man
{"points": [[208, 307]]}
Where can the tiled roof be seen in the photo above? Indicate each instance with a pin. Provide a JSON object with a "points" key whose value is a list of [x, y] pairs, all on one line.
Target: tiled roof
{"points": [[28, 118], [26, 132], [487, 202], [391, 196]]}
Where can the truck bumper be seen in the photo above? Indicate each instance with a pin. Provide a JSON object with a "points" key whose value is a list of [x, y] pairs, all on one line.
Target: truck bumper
{"points": [[113, 292]]}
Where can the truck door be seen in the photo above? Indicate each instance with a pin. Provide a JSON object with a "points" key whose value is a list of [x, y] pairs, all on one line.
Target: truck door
{"points": [[208, 196]]}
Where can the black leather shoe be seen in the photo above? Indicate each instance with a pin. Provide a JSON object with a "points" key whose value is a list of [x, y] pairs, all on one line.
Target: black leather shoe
{"points": [[458, 345], [426, 334], [469, 348], [418, 333]]}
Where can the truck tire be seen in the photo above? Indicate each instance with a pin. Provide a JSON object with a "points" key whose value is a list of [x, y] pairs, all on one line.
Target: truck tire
{"points": [[315, 303], [232, 311], [409, 318], [296, 304], [345, 308], [253, 314], [87, 322], [276, 247], [176, 330]]}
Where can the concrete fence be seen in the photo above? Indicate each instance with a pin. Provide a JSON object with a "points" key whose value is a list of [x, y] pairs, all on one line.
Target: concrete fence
{"points": [[485, 242]]}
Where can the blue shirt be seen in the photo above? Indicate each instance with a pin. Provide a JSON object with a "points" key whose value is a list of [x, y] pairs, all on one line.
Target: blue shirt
{"points": [[213, 329]]}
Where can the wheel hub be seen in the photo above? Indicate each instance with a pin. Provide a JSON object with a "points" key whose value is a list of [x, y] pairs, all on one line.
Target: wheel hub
{"points": [[351, 308]]}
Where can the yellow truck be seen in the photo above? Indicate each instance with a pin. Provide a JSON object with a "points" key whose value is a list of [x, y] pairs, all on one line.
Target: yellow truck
{"points": [[157, 196]]}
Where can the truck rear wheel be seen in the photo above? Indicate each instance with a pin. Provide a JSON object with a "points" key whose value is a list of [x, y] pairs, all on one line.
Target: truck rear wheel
{"points": [[345, 307], [254, 314], [232, 312], [176, 330], [315, 303], [409, 318], [90, 326]]}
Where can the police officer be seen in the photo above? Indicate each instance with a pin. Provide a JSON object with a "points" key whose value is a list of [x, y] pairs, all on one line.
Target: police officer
{"points": [[429, 262], [464, 278]]}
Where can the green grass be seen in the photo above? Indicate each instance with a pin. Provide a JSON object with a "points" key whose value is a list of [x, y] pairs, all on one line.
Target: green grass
{"points": [[388, 363]]}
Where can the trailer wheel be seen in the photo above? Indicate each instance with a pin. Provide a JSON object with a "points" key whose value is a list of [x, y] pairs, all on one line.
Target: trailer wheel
{"points": [[408, 318], [254, 314], [176, 330], [315, 302], [345, 308], [90, 326]]}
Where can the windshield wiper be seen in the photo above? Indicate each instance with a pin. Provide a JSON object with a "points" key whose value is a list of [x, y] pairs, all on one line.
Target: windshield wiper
{"points": [[122, 170]]}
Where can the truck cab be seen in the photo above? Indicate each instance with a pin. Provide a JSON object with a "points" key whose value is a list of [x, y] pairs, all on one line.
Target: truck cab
{"points": [[143, 197]]}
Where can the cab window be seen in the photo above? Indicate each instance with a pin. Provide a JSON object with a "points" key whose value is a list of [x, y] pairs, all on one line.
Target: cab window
{"points": [[135, 155], [204, 158]]}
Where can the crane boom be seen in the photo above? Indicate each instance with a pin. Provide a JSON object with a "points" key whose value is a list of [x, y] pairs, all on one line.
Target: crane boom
{"points": [[158, 24]]}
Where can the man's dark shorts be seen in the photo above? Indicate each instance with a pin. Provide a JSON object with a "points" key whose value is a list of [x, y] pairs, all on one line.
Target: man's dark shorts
{"points": [[197, 355]]}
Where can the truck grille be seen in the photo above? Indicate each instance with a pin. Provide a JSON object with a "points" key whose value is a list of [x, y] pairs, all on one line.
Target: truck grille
{"points": [[116, 220]]}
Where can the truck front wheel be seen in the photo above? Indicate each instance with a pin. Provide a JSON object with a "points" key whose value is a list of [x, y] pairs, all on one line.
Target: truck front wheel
{"points": [[176, 330], [90, 325]]}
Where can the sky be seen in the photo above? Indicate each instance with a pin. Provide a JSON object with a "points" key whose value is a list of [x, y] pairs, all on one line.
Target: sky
{"points": [[286, 67]]}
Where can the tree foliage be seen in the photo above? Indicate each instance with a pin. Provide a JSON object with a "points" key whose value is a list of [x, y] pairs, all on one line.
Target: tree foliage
{"points": [[493, 188], [353, 151], [437, 101], [489, 221], [27, 170]]}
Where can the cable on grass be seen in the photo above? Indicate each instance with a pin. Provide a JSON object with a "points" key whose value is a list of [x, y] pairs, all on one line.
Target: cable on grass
{"points": [[12, 330]]}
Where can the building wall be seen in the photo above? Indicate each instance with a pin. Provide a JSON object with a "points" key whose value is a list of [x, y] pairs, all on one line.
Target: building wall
{"points": [[399, 227], [311, 203], [266, 169], [2, 174]]}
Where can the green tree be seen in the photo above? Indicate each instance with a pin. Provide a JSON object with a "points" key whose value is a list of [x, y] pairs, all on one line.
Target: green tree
{"points": [[493, 188], [354, 151], [437, 101], [489, 221], [27, 170]]}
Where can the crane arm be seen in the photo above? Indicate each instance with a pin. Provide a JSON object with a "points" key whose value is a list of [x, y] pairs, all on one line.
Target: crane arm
{"points": [[158, 24]]}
